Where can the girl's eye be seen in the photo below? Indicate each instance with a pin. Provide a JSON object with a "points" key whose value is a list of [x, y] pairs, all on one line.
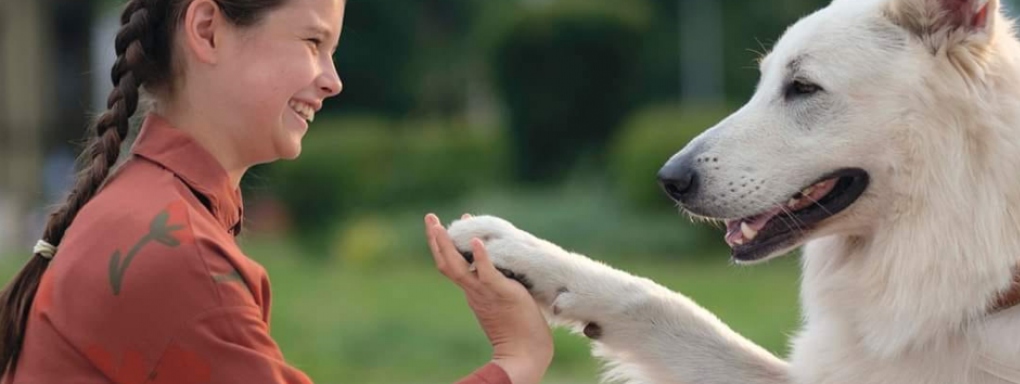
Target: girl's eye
{"points": [[315, 42]]}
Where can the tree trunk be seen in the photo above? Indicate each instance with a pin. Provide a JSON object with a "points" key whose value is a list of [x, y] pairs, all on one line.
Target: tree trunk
{"points": [[24, 87]]}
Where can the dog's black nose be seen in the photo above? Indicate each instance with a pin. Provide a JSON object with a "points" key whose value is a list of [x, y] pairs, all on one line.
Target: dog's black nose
{"points": [[678, 180]]}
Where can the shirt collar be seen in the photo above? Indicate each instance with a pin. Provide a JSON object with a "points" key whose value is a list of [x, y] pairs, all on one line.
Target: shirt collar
{"points": [[180, 154]]}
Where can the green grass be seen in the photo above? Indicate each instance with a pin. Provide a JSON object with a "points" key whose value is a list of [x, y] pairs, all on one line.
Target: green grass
{"points": [[404, 323], [394, 322]]}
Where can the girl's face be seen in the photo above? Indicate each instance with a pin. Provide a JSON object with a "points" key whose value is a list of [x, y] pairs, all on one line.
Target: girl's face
{"points": [[275, 76]]}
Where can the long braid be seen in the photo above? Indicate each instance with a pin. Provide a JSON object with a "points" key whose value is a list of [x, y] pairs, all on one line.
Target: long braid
{"points": [[144, 47], [128, 74]]}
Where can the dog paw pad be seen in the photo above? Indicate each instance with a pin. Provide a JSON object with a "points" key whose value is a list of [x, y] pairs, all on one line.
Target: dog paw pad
{"points": [[517, 276], [593, 331]]}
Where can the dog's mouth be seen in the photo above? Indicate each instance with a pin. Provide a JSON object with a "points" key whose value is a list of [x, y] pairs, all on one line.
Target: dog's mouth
{"points": [[759, 236]]}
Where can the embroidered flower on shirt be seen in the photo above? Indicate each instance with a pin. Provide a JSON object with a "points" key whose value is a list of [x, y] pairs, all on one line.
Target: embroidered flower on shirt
{"points": [[161, 231], [175, 366]]}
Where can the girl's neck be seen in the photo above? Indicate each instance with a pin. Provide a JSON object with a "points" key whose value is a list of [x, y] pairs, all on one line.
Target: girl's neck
{"points": [[207, 134]]}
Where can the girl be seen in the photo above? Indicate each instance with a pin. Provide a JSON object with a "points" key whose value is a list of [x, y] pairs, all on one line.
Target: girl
{"points": [[148, 284]]}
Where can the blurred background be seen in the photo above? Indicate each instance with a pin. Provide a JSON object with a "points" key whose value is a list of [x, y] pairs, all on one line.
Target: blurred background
{"points": [[554, 114]]}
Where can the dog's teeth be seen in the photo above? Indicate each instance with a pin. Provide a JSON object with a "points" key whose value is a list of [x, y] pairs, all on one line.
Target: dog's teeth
{"points": [[739, 241], [748, 232], [807, 191]]}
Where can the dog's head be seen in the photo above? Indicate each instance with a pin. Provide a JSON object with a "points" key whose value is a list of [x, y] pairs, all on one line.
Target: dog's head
{"points": [[819, 147]]}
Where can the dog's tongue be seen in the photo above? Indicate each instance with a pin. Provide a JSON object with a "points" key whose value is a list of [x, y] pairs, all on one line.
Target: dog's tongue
{"points": [[734, 234]]}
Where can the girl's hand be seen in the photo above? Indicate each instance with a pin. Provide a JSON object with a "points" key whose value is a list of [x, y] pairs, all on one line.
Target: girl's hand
{"points": [[521, 339]]}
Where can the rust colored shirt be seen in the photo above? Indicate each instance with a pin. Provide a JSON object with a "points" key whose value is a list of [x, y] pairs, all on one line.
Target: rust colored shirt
{"points": [[149, 285]]}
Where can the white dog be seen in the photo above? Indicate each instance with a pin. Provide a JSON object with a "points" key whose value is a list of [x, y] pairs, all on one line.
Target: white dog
{"points": [[884, 134]]}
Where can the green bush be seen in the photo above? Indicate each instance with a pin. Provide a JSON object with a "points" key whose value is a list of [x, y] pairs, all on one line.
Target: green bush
{"points": [[353, 166], [566, 74], [584, 215], [587, 217], [649, 138]]}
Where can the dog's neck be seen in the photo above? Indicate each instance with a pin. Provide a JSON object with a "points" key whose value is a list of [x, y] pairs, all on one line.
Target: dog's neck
{"points": [[911, 284], [894, 301]]}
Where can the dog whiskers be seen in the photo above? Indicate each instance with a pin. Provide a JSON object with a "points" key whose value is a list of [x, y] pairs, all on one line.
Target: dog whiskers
{"points": [[815, 202], [797, 224]]}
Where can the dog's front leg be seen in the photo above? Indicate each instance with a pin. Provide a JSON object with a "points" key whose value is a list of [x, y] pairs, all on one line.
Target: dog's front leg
{"points": [[647, 333]]}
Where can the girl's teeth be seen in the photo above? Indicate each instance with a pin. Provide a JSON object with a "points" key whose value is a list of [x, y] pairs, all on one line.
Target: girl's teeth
{"points": [[305, 110]]}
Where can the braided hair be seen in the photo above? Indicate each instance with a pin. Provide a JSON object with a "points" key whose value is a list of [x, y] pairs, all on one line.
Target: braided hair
{"points": [[144, 47]]}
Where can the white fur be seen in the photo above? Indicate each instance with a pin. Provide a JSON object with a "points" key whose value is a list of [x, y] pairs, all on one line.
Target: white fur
{"points": [[896, 289]]}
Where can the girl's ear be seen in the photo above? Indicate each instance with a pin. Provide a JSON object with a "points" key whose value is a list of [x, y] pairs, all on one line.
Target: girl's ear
{"points": [[202, 30]]}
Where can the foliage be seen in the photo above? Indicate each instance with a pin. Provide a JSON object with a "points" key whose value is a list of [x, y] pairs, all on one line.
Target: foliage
{"points": [[750, 29], [565, 73], [351, 166], [647, 140], [584, 215]]}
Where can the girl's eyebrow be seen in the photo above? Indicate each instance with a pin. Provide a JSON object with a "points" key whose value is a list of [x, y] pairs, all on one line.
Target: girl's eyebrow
{"points": [[318, 30]]}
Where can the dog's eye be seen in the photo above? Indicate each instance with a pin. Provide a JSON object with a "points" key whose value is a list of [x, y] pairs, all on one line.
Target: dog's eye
{"points": [[801, 88]]}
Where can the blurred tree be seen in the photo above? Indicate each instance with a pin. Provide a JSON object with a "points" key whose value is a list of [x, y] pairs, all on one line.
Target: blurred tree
{"points": [[751, 28], [660, 60], [566, 72], [409, 57], [31, 108], [375, 57]]}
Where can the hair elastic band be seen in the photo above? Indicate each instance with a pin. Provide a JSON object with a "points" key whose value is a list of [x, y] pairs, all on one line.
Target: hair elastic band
{"points": [[44, 249]]}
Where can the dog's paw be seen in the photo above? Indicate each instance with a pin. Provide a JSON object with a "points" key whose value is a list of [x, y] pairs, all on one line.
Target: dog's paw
{"points": [[516, 253], [570, 287]]}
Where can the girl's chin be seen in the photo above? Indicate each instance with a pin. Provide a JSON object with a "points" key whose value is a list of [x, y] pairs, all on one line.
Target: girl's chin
{"points": [[289, 146], [291, 149]]}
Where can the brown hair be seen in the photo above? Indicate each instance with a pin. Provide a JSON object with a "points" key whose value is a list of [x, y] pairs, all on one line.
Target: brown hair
{"points": [[144, 47]]}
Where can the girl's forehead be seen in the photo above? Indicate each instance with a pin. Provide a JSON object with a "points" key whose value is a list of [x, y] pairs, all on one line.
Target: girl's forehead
{"points": [[325, 15], [327, 9]]}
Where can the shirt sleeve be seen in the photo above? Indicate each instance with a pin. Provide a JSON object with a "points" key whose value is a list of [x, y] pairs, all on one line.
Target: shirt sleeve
{"points": [[226, 345], [488, 374]]}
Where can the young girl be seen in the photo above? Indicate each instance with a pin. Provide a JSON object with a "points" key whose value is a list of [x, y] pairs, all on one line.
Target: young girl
{"points": [[138, 278]]}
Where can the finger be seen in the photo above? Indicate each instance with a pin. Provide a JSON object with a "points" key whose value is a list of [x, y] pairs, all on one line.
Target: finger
{"points": [[431, 221], [431, 218], [437, 255], [456, 267], [487, 272]]}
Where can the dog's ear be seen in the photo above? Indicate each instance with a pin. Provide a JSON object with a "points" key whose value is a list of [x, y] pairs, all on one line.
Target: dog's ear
{"points": [[927, 17]]}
